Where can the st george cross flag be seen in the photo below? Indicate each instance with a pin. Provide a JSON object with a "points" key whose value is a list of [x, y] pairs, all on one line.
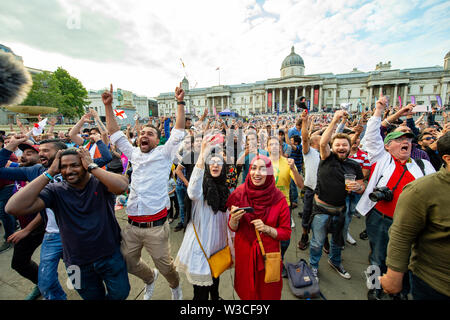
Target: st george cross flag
{"points": [[120, 114], [400, 100], [215, 112], [38, 128]]}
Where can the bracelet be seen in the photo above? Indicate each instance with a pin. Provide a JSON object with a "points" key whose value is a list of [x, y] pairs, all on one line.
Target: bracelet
{"points": [[48, 175], [388, 122], [181, 102]]}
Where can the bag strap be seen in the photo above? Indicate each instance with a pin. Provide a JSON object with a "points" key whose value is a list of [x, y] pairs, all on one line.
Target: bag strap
{"points": [[260, 244], [421, 165], [201, 247]]}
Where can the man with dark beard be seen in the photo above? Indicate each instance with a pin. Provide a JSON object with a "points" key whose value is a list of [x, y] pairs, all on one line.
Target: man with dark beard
{"points": [[333, 185], [51, 249]]}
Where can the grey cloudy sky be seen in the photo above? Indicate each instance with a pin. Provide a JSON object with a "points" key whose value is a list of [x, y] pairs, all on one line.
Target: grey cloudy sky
{"points": [[137, 44]]}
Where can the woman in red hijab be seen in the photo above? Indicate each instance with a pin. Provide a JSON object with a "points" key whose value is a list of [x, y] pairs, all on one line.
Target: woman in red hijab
{"points": [[270, 217]]}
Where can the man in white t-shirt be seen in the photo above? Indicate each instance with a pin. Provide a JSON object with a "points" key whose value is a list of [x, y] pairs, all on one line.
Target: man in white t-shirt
{"points": [[311, 159]]}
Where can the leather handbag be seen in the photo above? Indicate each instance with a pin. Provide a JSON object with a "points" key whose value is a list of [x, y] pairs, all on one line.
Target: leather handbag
{"points": [[219, 261], [272, 263]]}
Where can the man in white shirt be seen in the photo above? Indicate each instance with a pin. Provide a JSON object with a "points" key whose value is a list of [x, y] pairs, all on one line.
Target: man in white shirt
{"points": [[148, 200], [311, 158]]}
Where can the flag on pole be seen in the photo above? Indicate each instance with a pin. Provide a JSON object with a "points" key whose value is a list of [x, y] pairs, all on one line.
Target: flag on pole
{"points": [[413, 100], [278, 109], [214, 109], [182, 63], [218, 68], [400, 101], [120, 114], [439, 101]]}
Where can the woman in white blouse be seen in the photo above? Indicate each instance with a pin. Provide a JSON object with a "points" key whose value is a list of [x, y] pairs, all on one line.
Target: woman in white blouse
{"points": [[208, 192]]}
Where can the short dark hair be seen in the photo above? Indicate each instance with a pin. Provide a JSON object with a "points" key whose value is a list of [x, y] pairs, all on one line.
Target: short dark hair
{"points": [[443, 145], [297, 138], [423, 134], [95, 129], [87, 130], [70, 151], [59, 145], [157, 130]]}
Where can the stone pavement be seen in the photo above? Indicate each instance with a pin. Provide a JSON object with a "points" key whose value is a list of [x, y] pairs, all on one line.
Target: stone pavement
{"points": [[333, 286]]}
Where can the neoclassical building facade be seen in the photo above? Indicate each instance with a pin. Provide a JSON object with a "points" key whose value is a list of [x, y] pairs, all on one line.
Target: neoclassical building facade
{"points": [[322, 91]]}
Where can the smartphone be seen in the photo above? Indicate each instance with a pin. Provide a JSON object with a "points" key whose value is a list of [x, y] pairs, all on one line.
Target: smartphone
{"points": [[246, 209], [421, 108]]}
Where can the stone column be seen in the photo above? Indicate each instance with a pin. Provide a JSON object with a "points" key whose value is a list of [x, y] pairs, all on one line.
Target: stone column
{"points": [[304, 91], [395, 101], [312, 97], [273, 99], [444, 93], [253, 103], [281, 100], [266, 101], [221, 103], [288, 102], [295, 98], [334, 97], [405, 95], [370, 97], [320, 98]]}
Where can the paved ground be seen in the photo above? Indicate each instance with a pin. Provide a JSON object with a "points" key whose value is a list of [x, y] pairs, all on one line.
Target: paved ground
{"points": [[333, 287]]}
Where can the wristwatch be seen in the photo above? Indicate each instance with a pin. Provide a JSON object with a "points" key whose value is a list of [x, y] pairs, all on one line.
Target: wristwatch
{"points": [[92, 166]]}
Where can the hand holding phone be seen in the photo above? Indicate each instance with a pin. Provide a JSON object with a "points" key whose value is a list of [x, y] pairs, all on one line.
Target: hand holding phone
{"points": [[246, 209]]}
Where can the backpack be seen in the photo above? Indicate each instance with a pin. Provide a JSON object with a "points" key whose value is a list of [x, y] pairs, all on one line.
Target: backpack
{"points": [[302, 282]]}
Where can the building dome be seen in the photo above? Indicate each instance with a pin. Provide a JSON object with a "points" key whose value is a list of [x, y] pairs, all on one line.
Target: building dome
{"points": [[292, 60]]}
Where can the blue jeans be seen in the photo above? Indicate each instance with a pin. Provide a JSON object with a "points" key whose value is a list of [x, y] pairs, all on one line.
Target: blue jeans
{"points": [[110, 271], [9, 222], [351, 201], [420, 290], [319, 233], [377, 230], [51, 253], [181, 192], [293, 192]]}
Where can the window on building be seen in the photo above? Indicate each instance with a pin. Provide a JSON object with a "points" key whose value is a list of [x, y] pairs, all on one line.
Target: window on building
{"points": [[421, 89], [338, 93], [234, 100], [251, 99], [361, 92], [435, 89], [329, 93]]}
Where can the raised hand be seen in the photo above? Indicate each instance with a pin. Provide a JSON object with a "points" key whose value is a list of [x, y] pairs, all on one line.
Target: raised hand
{"points": [[179, 93], [107, 96], [382, 102], [54, 168]]}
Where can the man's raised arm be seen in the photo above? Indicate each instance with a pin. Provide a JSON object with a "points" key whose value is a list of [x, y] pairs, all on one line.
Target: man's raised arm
{"points": [[181, 116], [111, 123], [325, 150]]}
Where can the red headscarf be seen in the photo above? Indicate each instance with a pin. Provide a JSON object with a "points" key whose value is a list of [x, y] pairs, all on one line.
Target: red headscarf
{"points": [[261, 198]]}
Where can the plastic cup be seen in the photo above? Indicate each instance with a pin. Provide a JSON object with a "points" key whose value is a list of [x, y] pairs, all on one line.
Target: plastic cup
{"points": [[349, 178]]}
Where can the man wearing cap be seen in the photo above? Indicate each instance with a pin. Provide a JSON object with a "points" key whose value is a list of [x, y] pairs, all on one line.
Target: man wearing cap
{"points": [[391, 168]]}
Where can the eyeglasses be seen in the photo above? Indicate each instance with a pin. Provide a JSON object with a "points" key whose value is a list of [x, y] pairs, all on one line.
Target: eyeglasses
{"points": [[429, 138], [213, 162]]}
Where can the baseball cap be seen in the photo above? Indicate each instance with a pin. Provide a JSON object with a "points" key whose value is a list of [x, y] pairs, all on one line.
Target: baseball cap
{"points": [[24, 146], [394, 135]]}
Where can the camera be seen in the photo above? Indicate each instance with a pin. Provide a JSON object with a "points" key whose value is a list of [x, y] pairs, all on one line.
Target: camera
{"points": [[381, 193]]}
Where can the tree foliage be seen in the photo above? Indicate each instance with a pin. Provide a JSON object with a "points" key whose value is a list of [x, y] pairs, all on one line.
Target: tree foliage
{"points": [[60, 90]]}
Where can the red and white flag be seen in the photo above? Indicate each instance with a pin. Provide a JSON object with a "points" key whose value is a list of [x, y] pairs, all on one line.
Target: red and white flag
{"points": [[38, 128], [120, 114]]}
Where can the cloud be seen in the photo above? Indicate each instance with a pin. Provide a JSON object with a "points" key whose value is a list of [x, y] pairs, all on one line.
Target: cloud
{"points": [[138, 44]]}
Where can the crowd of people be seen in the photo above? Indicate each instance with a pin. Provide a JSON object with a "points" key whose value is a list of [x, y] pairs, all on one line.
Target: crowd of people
{"points": [[232, 183]]}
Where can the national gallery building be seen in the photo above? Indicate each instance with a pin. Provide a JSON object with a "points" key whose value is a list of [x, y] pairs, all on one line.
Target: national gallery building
{"points": [[322, 91]]}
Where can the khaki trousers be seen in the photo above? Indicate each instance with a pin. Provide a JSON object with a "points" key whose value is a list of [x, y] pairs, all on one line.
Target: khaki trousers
{"points": [[156, 241]]}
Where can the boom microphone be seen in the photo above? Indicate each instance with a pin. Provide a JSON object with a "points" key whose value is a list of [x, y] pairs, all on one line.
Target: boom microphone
{"points": [[15, 80]]}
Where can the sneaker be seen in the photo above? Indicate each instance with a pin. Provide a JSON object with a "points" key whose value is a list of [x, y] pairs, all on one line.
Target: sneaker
{"points": [[149, 288], [326, 246], [350, 240], [5, 246], [292, 223], [315, 273], [363, 235], [177, 294], [303, 243], [340, 269], [178, 227], [34, 294]]}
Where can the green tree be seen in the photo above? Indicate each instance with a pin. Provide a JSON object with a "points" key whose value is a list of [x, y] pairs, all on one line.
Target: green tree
{"points": [[44, 92], [73, 92]]}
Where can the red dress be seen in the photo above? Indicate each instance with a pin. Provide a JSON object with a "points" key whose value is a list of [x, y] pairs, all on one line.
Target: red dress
{"points": [[249, 264]]}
